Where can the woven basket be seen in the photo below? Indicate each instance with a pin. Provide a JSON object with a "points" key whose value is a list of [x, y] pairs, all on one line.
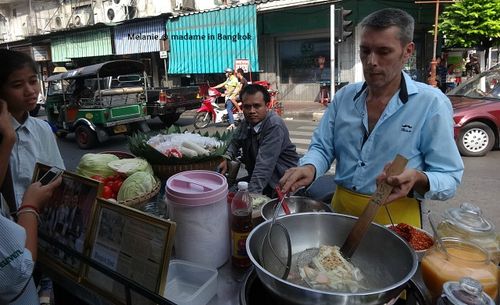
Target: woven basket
{"points": [[165, 171], [133, 202]]}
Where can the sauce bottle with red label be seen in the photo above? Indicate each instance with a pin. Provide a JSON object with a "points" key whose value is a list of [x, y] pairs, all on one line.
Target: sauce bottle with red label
{"points": [[241, 225]]}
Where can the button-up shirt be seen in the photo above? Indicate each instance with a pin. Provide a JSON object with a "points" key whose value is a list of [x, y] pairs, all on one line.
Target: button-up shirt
{"points": [[16, 265], [35, 143], [416, 123]]}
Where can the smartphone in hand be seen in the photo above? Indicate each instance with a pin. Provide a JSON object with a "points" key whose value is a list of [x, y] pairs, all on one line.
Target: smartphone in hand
{"points": [[51, 175]]}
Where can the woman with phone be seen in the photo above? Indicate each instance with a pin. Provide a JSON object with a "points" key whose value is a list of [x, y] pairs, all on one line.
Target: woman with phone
{"points": [[18, 245], [34, 140]]}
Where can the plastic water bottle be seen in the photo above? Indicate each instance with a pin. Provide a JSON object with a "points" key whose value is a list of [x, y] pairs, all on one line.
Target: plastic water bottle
{"points": [[241, 225]]}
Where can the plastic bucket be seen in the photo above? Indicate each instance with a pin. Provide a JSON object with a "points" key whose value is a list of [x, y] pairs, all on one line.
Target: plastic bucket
{"points": [[197, 202]]}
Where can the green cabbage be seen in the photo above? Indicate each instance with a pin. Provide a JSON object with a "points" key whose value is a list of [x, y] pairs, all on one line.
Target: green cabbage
{"points": [[96, 164], [135, 185], [130, 166]]}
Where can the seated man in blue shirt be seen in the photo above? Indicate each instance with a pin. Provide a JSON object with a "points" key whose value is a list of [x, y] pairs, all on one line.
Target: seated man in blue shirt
{"points": [[369, 123], [263, 138]]}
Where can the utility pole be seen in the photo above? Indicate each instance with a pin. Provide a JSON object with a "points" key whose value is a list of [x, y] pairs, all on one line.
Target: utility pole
{"points": [[432, 78]]}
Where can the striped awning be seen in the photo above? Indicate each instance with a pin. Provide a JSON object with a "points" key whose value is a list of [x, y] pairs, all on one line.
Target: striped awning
{"points": [[139, 37], [83, 44], [211, 41]]}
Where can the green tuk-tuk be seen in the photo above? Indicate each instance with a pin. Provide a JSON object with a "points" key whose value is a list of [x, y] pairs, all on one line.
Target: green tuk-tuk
{"points": [[98, 101]]}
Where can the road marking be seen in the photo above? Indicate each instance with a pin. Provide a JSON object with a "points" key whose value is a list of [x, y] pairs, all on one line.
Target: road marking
{"points": [[300, 133], [310, 128], [301, 141]]}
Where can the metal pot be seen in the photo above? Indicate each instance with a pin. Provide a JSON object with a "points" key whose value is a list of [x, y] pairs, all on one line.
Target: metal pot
{"points": [[385, 259], [297, 204]]}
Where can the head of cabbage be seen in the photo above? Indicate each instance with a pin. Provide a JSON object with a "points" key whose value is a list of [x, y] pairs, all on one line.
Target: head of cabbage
{"points": [[136, 185], [96, 164], [130, 166]]}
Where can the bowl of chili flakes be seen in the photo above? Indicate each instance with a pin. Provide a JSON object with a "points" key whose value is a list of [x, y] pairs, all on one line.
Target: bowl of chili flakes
{"points": [[419, 239]]}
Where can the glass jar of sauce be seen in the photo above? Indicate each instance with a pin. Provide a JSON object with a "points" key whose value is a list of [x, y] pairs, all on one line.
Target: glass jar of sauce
{"points": [[468, 223], [464, 259], [467, 291]]}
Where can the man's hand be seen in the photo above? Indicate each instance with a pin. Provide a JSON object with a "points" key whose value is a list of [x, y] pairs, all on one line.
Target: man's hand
{"points": [[297, 177], [37, 194], [222, 168], [402, 184]]}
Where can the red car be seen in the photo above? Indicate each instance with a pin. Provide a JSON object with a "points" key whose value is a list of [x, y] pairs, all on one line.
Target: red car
{"points": [[476, 106]]}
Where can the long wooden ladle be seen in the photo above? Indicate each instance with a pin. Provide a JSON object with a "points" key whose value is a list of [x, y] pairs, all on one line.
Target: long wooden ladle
{"points": [[378, 199]]}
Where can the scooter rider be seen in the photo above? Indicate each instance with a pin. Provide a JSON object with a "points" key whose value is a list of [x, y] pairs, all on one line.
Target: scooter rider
{"points": [[230, 85]]}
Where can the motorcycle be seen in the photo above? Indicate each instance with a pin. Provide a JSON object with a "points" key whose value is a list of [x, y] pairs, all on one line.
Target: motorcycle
{"points": [[210, 110]]}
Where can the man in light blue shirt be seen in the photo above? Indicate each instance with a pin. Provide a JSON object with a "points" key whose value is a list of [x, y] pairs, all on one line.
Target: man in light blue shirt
{"points": [[369, 123]]}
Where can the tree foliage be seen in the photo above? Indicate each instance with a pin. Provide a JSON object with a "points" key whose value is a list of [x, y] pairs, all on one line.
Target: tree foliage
{"points": [[471, 23]]}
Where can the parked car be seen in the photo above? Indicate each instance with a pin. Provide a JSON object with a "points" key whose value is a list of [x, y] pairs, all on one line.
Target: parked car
{"points": [[476, 106]]}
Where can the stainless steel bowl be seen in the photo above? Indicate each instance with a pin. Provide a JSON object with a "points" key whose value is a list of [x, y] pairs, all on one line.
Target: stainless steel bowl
{"points": [[385, 259], [297, 204]]}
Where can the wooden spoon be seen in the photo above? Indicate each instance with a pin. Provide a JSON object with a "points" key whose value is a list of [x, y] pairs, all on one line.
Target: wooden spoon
{"points": [[379, 197]]}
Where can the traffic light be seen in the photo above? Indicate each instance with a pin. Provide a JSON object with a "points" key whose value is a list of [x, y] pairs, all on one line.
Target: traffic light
{"points": [[342, 25]]}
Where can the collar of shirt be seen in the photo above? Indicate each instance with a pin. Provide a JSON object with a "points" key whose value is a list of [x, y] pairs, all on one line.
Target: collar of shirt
{"points": [[16, 125], [257, 127]]}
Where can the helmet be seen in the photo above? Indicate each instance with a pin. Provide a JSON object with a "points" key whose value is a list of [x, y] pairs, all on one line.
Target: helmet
{"points": [[228, 70]]}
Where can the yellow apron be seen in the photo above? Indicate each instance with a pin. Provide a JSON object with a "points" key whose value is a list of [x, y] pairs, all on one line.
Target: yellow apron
{"points": [[404, 210]]}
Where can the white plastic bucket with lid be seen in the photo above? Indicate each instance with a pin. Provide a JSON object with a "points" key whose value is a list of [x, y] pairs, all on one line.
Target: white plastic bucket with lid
{"points": [[197, 202]]}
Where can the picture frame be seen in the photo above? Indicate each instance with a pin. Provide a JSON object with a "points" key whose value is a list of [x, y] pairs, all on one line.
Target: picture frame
{"points": [[132, 243], [67, 219]]}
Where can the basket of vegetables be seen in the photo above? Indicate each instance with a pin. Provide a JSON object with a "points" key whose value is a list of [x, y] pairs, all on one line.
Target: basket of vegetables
{"points": [[129, 181], [173, 150]]}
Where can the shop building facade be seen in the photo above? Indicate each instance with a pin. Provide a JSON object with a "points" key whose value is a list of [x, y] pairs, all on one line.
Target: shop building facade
{"points": [[287, 42]]}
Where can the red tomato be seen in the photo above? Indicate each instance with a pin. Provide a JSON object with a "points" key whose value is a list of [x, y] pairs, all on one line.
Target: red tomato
{"points": [[116, 185], [107, 192]]}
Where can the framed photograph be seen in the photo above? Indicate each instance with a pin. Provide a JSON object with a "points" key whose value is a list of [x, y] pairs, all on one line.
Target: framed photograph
{"points": [[67, 219], [133, 244]]}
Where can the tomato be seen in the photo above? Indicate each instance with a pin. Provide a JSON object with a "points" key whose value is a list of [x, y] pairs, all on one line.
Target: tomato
{"points": [[116, 185], [98, 178], [107, 192]]}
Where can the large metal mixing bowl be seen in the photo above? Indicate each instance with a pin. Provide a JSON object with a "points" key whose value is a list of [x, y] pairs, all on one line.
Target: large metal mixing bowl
{"points": [[385, 259], [297, 204]]}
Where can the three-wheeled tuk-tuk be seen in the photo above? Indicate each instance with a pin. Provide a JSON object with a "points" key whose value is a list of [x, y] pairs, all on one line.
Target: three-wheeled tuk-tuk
{"points": [[85, 102]]}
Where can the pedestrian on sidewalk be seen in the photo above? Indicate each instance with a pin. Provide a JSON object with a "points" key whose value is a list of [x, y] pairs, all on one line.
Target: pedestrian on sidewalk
{"points": [[369, 123]]}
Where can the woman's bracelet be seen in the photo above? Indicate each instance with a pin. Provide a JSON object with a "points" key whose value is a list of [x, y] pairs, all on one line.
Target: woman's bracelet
{"points": [[28, 206], [29, 211]]}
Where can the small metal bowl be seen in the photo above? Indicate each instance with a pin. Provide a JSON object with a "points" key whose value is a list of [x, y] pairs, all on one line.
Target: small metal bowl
{"points": [[420, 253], [297, 204]]}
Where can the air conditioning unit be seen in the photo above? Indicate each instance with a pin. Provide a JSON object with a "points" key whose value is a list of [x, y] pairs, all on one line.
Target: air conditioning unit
{"points": [[80, 19], [59, 22], [114, 13], [184, 5], [118, 12], [125, 2]]}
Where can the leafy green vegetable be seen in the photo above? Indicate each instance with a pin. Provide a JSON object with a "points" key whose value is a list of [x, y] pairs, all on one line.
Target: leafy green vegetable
{"points": [[129, 166], [96, 164], [135, 185]]}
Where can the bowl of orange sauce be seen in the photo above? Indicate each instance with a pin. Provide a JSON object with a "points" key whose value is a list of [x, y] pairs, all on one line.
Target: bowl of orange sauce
{"points": [[463, 259]]}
